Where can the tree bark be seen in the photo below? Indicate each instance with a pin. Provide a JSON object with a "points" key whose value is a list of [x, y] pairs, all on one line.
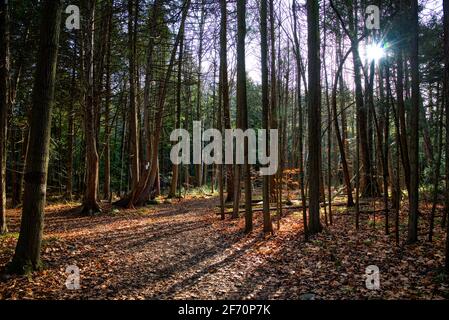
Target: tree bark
{"points": [[107, 194], [446, 102], [401, 116], [242, 105], [314, 107], [90, 205], [174, 180], [4, 106], [199, 167], [414, 127], [300, 119], [267, 224], [225, 92], [27, 254], [133, 123]]}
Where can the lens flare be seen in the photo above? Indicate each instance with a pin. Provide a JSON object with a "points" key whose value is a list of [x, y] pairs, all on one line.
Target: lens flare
{"points": [[375, 52]]}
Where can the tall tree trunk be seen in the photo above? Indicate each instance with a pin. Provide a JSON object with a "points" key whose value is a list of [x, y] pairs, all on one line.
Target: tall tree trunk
{"points": [[414, 127], [386, 147], [154, 33], [199, 167], [301, 121], [314, 107], [107, 195], [71, 128], [340, 139], [369, 186], [225, 92], [267, 225], [174, 180], [133, 122], [4, 106], [221, 128], [446, 102], [401, 115], [329, 130], [242, 105], [273, 88], [368, 183], [27, 254], [436, 166], [90, 204]]}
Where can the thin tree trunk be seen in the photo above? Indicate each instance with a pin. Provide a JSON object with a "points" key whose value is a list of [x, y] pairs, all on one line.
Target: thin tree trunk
{"points": [[314, 107], [267, 224], [273, 88], [133, 122], [174, 181], [329, 130], [414, 126], [107, 195], [4, 106], [71, 129], [225, 92], [437, 165], [446, 102], [386, 149], [199, 167], [401, 115], [242, 105], [301, 122], [90, 204]]}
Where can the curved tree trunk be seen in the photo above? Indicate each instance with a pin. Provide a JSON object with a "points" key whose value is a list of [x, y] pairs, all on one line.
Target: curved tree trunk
{"points": [[140, 194]]}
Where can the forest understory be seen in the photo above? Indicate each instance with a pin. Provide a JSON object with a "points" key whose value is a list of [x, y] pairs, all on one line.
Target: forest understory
{"points": [[181, 250]]}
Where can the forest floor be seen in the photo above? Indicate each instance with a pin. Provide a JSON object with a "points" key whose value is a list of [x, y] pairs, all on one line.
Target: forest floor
{"points": [[183, 251]]}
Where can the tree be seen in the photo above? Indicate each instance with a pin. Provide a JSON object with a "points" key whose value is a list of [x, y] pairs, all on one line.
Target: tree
{"points": [[242, 105], [446, 101], [4, 106], [27, 254], [199, 167], [174, 181], [340, 140], [414, 126], [139, 195], [90, 204], [155, 26], [297, 50], [107, 194], [133, 123], [314, 107], [267, 225], [225, 92], [71, 126], [273, 86]]}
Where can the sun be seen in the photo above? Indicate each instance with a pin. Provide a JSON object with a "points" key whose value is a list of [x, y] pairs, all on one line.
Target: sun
{"points": [[375, 52]]}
